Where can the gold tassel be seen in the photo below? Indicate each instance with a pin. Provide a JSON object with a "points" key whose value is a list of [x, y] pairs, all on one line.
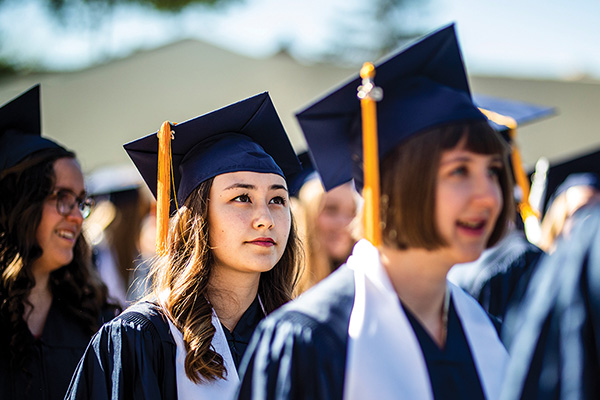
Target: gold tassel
{"points": [[163, 186], [369, 95]]}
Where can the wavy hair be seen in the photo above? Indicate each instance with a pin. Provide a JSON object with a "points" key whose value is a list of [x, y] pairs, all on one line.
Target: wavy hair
{"points": [[180, 280], [75, 287]]}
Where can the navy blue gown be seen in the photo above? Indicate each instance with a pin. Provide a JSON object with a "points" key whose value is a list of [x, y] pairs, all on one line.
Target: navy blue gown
{"points": [[499, 279], [133, 356], [53, 358], [451, 370], [300, 351], [555, 353]]}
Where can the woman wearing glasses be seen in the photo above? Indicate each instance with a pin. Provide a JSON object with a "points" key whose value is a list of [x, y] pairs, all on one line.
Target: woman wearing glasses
{"points": [[51, 301]]}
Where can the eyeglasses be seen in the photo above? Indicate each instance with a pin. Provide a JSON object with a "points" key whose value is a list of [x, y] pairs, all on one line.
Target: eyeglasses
{"points": [[66, 200]]}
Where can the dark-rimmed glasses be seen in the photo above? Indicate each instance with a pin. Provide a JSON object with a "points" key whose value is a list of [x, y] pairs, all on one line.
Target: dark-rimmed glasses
{"points": [[66, 200]]}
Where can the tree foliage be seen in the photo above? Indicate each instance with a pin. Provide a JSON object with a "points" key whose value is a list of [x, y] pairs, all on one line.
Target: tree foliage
{"points": [[164, 5], [376, 27]]}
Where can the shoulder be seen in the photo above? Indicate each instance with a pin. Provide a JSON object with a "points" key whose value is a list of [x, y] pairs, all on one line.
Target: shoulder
{"points": [[135, 347], [326, 305], [299, 351], [317, 319], [515, 252], [143, 318]]}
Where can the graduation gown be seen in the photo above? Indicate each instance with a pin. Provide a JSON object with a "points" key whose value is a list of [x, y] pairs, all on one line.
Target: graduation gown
{"points": [[555, 351], [301, 350], [53, 359], [451, 370], [499, 278], [134, 356]]}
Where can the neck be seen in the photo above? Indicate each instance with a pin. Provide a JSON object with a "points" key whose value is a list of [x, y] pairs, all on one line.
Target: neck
{"points": [[231, 293], [38, 303], [41, 289], [419, 278]]}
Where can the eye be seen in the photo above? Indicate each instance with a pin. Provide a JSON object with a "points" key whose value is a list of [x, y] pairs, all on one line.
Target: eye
{"points": [[278, 200], [461, 170], [242, 198], [495, 170]]}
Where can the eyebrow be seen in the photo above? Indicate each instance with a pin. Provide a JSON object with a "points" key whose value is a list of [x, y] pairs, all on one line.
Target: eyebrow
{"points": [[494, 158], [83, 193], [253, 187]]}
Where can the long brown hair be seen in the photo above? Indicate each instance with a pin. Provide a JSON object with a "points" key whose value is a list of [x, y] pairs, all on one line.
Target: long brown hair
{"points": [[75, 287], [180, 280]]}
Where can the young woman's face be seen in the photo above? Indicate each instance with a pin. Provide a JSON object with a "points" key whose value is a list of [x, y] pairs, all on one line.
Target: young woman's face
{"points": [[249, 221], [468, 202], [56, 234], [338, 209]]}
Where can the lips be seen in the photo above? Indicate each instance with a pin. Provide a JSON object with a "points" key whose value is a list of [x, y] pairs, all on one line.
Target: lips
{"points": [[263, 241], [67, 234], [472, 227], [472, 224]]}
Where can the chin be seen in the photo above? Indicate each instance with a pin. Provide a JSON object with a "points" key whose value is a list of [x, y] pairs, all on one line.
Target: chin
{"points": [[64, 262]]}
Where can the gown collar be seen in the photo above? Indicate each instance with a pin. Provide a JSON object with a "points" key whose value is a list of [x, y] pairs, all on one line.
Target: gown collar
{"points": [[384, 356]]}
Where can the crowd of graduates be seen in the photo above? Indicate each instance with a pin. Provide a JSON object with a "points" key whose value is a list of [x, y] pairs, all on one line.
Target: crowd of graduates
{"points": [[220, 264]]}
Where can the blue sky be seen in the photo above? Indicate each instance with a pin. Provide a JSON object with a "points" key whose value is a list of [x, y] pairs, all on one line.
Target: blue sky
{"points": [[530, 38]]}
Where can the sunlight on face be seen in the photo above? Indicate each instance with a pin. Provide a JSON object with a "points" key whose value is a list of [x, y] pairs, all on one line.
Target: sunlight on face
{"points": [[57, 234], [468, 202], [249, 221]]}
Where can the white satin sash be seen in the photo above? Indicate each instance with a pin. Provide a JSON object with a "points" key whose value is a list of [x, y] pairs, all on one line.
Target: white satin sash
{"points": [[385, 360], [218, 389]]}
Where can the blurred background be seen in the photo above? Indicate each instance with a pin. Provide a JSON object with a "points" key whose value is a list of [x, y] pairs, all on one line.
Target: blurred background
{"points": [[113, 70]]}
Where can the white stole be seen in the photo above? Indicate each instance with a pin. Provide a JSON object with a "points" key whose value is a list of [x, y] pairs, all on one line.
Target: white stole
{"points": [[384, 359], [218, 389]]}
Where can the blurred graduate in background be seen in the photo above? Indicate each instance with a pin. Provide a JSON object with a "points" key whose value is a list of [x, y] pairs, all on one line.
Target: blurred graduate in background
{"points": [[228, 257], [571, 184], [555, 351], [326, 223], [555, 332], [388, 324], [51, 299], [115, 230]]}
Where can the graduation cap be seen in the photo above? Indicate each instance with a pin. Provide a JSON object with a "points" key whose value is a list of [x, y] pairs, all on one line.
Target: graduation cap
{"points": [[244, 136], [296, 181], [520, 112], [424, 85], [20, 128], [582, 169], [113, 179]]}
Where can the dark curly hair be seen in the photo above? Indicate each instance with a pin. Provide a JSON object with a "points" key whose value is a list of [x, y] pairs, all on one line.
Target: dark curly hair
{"points": [[76, 287]]}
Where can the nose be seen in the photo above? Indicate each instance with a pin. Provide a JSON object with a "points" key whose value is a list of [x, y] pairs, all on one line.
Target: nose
{"points": [[488, 192], [75, 216], [263, 218]]}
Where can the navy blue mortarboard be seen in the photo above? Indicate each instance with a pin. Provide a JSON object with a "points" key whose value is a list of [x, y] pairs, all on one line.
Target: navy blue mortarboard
{"points": [[296, 181], [424, 85], [581, 168], [20, 129], [244, 136], [521, 112]]}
